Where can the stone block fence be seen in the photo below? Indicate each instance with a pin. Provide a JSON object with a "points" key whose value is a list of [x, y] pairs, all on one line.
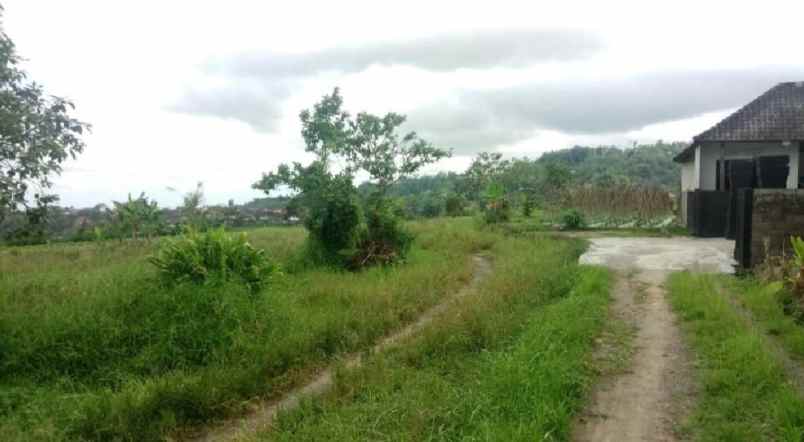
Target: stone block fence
{"points": [[766, 219]]}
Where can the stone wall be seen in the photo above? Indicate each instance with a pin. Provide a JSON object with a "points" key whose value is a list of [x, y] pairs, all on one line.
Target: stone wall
{"points": [[776, 215]]}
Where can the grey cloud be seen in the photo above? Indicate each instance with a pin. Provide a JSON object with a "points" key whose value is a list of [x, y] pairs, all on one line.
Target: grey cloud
{"points": [[243, 98], [497, 48], [484, 119], [250, 102]]}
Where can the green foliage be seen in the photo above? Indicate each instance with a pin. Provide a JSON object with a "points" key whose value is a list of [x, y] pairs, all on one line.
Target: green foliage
{"points": [[212, 257], [137, 216], [455, 205], [510, 362], [573, 219], [37, 135], [485, 169], [365, 143], [192, 208], [384, 241], [527, 206], [745, 392], [94, 347], [496, 208]]}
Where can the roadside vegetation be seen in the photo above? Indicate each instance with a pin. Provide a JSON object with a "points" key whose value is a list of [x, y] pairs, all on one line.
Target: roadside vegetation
{"points": [[746, 393], [96, 346], [511, 362]]}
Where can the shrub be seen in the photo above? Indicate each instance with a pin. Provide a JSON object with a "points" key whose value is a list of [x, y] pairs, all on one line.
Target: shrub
{"points": [[572, 219], [334, 221], [212, 257], [497, 208], [383, 241], [527, 206], [455, 205]]}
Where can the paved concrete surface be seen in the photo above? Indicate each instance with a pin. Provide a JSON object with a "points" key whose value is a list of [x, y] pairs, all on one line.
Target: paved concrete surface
{"points": [[707, 255]]}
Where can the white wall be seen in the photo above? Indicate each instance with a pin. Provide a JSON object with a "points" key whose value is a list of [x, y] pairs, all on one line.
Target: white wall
{"points": [[710, 153], [688, 176]]}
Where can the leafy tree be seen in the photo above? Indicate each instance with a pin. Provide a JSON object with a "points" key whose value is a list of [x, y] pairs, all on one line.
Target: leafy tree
{"points": [[37, 134], [485, 168], [192, 208], [376, 148], [138, 216], [455, 205], [497, 208], [365, 143]]}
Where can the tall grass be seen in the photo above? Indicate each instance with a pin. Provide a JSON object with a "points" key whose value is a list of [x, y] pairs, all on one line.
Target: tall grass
{"points": [[93, 346], [620, 201], [509, 363], [746, 395]]}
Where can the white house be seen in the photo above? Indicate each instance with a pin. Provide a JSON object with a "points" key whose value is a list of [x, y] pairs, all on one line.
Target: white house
{"points": [[759, 146]]}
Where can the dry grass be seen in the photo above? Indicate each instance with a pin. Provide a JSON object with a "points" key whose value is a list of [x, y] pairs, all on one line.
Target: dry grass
{"points": [[620, 201]]}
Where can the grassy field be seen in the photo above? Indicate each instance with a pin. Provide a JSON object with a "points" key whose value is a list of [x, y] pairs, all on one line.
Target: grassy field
{"points": [[746, 395], [510, 363], [93, 347]]}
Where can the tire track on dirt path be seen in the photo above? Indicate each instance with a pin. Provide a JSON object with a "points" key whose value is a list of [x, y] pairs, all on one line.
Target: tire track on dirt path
{"points": [[650, 399], [646, 402], [263, 416]]}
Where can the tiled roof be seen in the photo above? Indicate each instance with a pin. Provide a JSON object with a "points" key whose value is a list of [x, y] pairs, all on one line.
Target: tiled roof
{"points": [[776, 115]]}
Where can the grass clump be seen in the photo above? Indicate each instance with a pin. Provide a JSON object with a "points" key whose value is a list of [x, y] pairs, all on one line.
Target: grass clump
{"points": [[212, 257], [572, 219], [508, 363], [746, 395]]}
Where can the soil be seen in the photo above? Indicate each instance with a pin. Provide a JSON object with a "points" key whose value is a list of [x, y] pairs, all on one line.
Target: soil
{"points": [[650, 399], [262, 416]]}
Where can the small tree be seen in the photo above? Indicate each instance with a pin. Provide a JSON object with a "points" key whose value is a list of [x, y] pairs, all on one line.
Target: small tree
{"points": [[366, 143], [139, 216], [192, 208], [497, 207], [37, 134], [485, 168]]}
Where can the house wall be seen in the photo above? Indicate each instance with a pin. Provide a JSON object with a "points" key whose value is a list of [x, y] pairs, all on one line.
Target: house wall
{"points": [[688, 183], [688, 176], [710, 154]]}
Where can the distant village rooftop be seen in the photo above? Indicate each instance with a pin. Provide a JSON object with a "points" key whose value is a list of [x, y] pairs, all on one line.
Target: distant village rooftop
{"points": [[775, 116]]}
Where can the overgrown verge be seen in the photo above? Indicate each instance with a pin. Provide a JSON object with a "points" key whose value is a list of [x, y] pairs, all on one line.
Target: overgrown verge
{"points": [[767, 304], [746, 395], [103, 350], [509, 363]]}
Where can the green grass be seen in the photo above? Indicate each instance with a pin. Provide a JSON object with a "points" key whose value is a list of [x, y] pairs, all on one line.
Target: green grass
{"points": [[511, 362], [764, 301], [746, 395], [93, 347]]}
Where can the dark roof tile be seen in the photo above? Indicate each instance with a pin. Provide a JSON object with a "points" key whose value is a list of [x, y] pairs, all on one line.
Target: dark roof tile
{"points": [[776, 115]]}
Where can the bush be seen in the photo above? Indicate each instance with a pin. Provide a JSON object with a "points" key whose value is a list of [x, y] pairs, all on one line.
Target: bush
{"points": [[383, 241], [334, 220], [455, 205], [497, 208], [212, 257], [572, 219]]}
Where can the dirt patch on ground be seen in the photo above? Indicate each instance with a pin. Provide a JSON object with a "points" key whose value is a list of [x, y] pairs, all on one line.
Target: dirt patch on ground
{"points": [[263, 414], [649, 397]]}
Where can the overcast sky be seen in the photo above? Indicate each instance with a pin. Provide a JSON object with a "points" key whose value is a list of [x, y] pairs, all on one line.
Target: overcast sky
{"points": [[185, 91]]}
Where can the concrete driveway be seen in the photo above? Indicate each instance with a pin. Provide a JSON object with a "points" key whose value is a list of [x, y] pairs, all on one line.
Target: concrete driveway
{"points": [[708, 255]]}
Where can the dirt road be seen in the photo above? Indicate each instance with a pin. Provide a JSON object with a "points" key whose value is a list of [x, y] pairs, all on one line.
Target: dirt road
{"points": [[647, 401], [262, 417]]}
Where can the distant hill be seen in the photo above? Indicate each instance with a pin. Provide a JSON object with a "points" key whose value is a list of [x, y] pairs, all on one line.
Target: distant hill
{"points": [[650, 164]]}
